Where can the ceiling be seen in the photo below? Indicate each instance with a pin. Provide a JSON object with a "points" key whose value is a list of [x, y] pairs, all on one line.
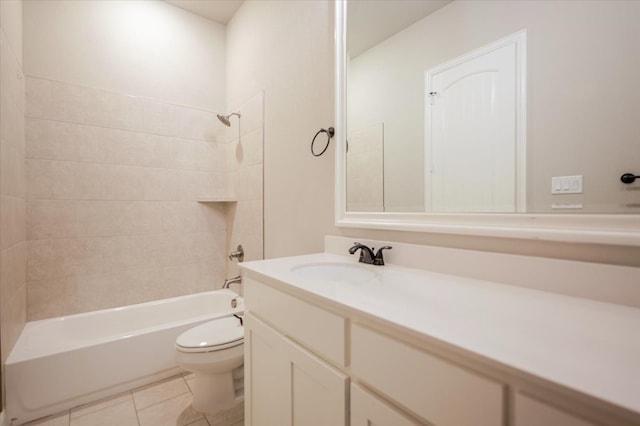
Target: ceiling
{"points": [[217, 10]]}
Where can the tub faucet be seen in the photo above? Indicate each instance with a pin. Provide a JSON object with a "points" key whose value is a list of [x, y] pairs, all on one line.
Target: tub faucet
{"points": [[367, 254], [229, 281]]}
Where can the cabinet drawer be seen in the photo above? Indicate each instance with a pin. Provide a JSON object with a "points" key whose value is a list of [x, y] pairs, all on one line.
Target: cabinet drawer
{"points": [[321, 331], [530, 412], [438, 391], [367, 410]]}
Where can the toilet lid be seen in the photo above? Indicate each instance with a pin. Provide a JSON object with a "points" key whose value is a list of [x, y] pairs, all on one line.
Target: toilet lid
{"points": [[217, 334]]}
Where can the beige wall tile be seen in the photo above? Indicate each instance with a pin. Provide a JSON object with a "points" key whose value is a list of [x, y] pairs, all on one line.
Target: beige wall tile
{"points": [[142, 285], [122, 111], [51, 219], [39, 260], [162, 184], [51, 298], [12, 121], [212, 218], [12, 221], [11, 78], [77, 181], [198, 124], [180, 216], [77, 256], [252, 145], [122, 183], [208, 156], [12, 170], [75, 104], [12, 270], [101, 291], [50, 140], [253, 113], [179, 280], [12, 317], [160, 118], [38, 98], [114, 218], [122, 253], [39, 179]]}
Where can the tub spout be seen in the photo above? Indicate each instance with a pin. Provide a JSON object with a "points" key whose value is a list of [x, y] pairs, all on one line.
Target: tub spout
{"points": [[229, 281]]}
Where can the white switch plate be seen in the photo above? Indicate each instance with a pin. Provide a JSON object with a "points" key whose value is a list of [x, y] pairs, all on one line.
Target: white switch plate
{"points": [[566, 184]]}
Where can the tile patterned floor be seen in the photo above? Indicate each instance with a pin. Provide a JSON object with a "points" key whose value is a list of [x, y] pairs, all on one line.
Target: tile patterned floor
{"points": [[165, 403]]}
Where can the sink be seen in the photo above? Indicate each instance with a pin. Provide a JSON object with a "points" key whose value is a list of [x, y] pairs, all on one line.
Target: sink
{"points": [[334, 271]]}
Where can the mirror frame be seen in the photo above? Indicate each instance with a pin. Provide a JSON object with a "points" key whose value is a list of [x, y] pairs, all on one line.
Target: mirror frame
{"points": [[613, 229]]}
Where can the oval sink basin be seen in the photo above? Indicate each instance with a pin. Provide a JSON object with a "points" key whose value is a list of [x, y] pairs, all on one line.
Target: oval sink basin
{"points": [[334, 272]]}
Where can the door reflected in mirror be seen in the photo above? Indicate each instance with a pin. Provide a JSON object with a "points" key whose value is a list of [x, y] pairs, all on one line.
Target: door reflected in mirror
{"points": [[493, 106]]}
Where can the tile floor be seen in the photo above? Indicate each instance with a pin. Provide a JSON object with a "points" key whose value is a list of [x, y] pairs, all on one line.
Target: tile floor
{"points": [[164, 403]]}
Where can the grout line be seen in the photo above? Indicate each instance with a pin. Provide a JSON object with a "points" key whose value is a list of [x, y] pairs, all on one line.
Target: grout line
{"points": [[135, 407]]}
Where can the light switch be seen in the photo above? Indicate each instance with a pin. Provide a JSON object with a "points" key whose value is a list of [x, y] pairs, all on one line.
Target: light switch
{"points": [[566, 184]]}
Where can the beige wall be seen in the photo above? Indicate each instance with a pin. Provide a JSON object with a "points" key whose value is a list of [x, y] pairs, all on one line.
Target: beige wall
{"points": [[13, 290], [285, 48], [143, 48], [584, 73]]}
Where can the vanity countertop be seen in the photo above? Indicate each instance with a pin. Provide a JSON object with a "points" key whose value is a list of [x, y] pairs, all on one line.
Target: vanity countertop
{"points": [[589, 346]]}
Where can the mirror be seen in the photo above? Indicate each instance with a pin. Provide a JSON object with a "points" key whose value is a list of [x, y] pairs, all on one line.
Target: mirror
{"points": [[491, 106], [580, 118]]}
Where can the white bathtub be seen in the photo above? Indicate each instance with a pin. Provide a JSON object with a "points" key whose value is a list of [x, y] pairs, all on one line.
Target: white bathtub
{"points": [[60, 363]]}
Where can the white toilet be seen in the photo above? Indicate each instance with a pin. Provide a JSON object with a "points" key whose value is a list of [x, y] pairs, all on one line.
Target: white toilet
{"points": [[214, 351]]}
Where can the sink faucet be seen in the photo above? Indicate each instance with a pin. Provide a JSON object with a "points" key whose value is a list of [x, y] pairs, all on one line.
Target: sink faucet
{"points": [[234, 280], [367, 254]]}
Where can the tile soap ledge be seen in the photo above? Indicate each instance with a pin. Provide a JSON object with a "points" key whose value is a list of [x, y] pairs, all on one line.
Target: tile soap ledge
{"points": [[216, 200]]}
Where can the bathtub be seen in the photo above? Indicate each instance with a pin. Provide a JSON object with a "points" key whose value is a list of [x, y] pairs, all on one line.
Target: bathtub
{"points": [[60, 363]]}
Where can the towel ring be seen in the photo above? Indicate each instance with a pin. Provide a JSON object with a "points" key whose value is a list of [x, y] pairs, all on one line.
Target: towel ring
{"points": [[330, 132]]}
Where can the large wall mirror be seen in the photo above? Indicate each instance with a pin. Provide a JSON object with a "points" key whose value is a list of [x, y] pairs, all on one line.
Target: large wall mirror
{"points": [[509, 118]]}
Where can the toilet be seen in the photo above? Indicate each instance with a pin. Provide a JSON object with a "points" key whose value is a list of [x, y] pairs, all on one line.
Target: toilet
{"points": [[214, 352]]}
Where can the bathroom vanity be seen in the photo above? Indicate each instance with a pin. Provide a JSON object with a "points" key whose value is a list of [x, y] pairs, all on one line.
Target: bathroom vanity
{"points": [[330, 341]]}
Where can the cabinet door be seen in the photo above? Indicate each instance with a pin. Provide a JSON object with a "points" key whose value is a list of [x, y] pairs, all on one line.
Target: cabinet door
{"points": [[288, 385], [267, 386], [367, 410]]}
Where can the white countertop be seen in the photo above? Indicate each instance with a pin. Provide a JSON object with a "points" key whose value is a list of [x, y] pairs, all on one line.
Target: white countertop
{"points": [[585, 345]]}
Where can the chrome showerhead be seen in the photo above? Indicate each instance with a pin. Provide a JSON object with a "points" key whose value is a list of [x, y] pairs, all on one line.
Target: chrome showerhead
{"points": [[224, 119]]}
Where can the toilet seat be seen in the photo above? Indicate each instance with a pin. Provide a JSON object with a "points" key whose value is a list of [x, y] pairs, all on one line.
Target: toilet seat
{"points": [[212, 336]]}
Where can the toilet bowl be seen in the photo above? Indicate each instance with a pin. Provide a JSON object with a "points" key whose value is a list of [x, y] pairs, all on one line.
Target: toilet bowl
{"points": [[214, 352]]}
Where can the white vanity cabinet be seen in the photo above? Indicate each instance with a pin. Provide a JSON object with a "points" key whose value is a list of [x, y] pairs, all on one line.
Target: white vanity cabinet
{"points": [[314, 358]]}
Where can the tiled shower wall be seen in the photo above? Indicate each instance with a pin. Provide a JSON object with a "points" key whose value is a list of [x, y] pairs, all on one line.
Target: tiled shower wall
{"points": [[112, 216], [245, 162], [12, 182]]}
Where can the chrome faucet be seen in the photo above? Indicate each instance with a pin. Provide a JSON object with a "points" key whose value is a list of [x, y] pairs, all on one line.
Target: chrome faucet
{"points": [[367, 254], [234, 280]]}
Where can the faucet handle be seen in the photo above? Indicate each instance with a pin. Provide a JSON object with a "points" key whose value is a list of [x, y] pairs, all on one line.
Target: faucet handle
{"points": [[379, 258]]}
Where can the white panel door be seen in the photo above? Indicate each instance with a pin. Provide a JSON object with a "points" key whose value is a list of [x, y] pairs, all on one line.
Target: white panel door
{"points": [[472, 132]]}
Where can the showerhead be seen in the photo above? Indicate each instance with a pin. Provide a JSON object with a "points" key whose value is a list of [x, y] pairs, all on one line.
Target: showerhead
{"points": [[224, 119]]}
